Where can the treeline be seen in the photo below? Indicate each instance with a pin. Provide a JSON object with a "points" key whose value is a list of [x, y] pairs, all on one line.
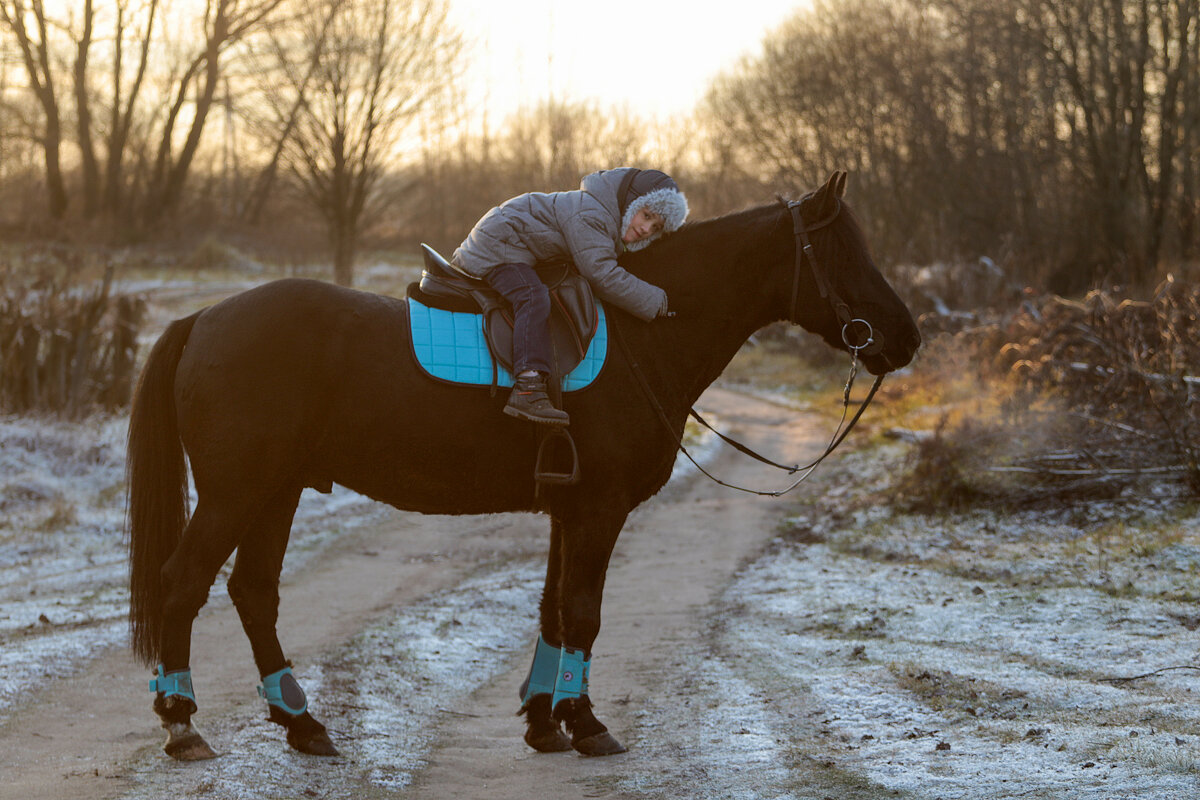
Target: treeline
{"points": [[129, 120], [1060, 138]]}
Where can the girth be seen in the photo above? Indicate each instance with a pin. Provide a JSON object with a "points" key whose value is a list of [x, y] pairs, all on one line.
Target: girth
{"points": [[573, 317]]}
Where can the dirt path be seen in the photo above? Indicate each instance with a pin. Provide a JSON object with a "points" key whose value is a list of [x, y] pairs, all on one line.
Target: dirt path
{"points": [[405, 730]]}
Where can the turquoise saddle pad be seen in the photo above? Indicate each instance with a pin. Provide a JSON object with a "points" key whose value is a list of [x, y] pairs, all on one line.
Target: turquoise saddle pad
{"points": [[450, 346]]}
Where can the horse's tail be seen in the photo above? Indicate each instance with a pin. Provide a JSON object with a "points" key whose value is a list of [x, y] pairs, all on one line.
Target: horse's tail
{"points": [[156, 475]]}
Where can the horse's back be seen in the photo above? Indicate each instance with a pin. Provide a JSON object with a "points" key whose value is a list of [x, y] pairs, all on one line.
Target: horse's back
{"points": [[264, 370], [318, 383]]}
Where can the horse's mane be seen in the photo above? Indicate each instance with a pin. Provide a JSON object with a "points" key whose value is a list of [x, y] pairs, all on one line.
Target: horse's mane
{"points": [[722, 236], [733, 234], [747, 224]]}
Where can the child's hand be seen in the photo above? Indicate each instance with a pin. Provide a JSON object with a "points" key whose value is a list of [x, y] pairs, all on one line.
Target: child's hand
{"points": [[662, 310]]}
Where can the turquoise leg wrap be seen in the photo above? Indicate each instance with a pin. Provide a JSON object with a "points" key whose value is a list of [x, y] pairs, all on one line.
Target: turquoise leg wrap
{"points": [[572, 680], [174, 683], [281, 690], [542, 672]]}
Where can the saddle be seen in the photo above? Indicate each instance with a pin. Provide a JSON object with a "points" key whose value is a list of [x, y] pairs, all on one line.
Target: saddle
{"points": [[573, 317], [573, 323]]}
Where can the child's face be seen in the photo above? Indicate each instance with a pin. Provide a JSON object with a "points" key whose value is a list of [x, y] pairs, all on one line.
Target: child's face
{"points": [[645, 224]]}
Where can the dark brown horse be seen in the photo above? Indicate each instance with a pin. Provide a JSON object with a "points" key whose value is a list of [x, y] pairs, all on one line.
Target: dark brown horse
{"points": [[302, 384]]}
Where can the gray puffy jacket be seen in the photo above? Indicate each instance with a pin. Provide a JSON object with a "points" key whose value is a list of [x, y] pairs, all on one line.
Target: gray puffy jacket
{"points": [[584, 226]]}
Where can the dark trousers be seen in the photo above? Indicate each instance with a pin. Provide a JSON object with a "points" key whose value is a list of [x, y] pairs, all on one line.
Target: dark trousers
{"points": [[520, 286]]}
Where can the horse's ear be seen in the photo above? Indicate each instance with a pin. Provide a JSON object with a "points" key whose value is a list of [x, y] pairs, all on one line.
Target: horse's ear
{"points": [[836, 185], [839, 179], [825, 199]]}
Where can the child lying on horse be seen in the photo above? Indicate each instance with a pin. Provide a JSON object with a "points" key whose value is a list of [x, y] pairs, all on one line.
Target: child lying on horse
{"points": [[612, 211]]}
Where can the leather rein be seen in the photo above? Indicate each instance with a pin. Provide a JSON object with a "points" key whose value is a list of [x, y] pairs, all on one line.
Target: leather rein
{"points": [[871, 343]]}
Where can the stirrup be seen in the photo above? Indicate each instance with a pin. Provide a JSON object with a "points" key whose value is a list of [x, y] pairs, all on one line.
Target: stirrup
{"points": [[542, 470]]}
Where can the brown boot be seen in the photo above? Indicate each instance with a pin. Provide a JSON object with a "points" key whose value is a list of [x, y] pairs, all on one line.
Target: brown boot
{"points": [[530, 401]]}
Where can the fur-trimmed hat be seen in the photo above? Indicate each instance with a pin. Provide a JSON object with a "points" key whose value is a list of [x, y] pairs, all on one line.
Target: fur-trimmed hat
{"points": [[655, 191]]}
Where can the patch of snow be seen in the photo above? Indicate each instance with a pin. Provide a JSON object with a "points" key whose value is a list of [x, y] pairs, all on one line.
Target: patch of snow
{"points": [[938, 685]]}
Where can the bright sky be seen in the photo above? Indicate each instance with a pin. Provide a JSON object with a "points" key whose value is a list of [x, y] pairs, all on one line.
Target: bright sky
{"points": [[656, 56]]}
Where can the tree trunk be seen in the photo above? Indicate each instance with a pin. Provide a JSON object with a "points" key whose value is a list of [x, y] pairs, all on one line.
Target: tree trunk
{"points": [[87, 150], [55, 186], [36, 57], [344, 238], [122, 120], [177, 174]]}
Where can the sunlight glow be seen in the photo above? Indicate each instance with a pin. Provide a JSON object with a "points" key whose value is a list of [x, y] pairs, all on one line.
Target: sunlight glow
{"points": [[655, 57]]}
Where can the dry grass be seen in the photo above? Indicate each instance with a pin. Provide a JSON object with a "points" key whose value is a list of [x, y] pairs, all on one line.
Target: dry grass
{"points": [[67, 345], [1059, 403]]}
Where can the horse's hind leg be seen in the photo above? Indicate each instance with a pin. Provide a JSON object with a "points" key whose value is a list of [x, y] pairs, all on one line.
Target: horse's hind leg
{"points": [[254, 588], [187, 576]]}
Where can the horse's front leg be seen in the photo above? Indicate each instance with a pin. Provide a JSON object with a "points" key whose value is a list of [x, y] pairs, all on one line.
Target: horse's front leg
{"points": [[587, 540], [542, 732]]}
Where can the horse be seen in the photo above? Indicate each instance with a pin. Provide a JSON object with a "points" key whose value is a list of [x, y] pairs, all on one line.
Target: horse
{"points": [[301, 383]]}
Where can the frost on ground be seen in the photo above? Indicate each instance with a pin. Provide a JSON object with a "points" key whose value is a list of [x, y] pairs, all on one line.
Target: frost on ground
{"points": [[392, 683], [872, 654], [865, 654], [63, 559]]}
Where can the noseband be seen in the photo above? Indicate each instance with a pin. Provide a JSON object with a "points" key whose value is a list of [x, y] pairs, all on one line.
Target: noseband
{"points": [[871, 343]]}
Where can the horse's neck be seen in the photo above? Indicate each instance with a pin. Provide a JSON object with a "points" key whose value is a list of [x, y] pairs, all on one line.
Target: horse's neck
{"points": [[720, 310]]}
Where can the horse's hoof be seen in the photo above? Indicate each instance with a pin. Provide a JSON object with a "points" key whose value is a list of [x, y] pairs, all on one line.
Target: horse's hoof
{"points": [[598, 744], [551, 740], [317, 744], [184, 743], [304, 733]]}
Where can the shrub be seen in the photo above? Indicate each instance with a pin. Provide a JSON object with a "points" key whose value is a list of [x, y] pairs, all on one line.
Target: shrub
{"points": [[65, 348], [1088, 400]]}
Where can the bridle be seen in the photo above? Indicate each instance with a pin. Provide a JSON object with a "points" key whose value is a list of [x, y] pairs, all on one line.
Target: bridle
{"points": [[872, 343], [804, 251]]}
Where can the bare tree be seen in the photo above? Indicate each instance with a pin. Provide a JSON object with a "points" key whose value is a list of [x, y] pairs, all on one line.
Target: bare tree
{"points": [[292, 56], [551, 146], [123, 99], [1124, 67], [29, 26], [225, 22], [1063, 129], [83, 114], [379, 63]]}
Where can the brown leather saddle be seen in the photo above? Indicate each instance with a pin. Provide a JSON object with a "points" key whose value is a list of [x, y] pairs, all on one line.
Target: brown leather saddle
{"points": [[573, 323], [573, 317]]}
